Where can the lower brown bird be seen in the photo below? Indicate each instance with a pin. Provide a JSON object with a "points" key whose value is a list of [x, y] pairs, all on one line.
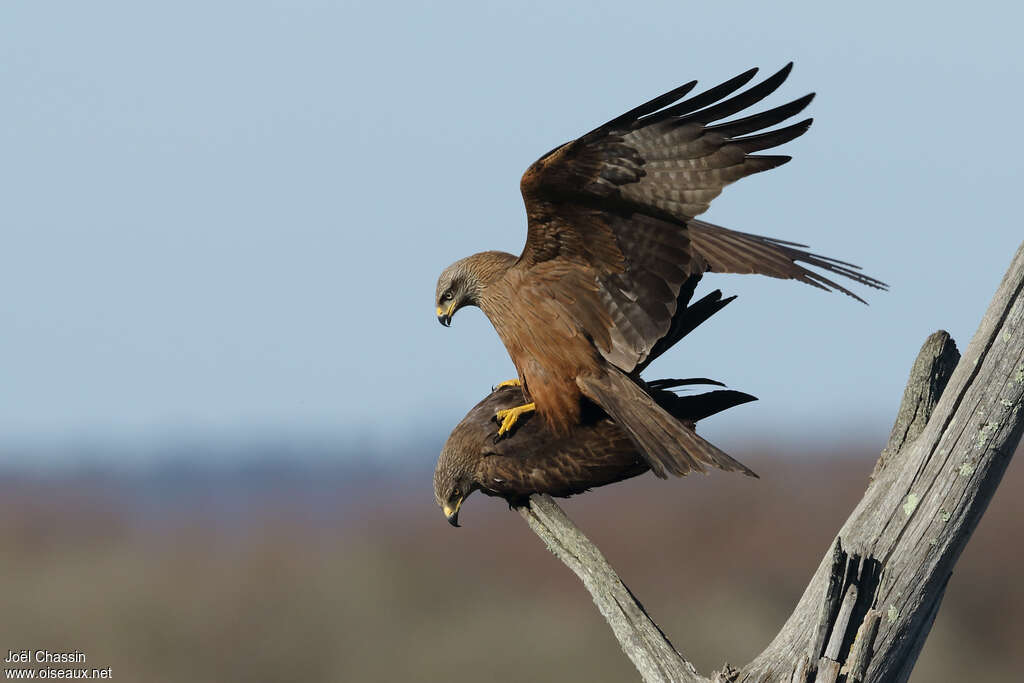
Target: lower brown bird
{"points": [[535, 460], [597, 451]]}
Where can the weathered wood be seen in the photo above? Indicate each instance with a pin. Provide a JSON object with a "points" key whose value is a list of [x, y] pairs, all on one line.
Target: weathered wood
{"points": [[641, 639], [903, 673], [928, 378], [835, 641], [956, 430], [828, 671], [800, 670], [728, 674], [829, 607], [857, 663], [930, 491]]}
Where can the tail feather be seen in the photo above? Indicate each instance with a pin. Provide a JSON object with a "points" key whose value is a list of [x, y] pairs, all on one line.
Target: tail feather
{"points": [[668, 446]]}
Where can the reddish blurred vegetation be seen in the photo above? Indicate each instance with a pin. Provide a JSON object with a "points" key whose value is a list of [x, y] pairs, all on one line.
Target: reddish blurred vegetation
{"points": [[321, 575]]}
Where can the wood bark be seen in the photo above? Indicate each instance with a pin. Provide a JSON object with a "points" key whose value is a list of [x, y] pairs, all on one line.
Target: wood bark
{"points": [[871, 603]]}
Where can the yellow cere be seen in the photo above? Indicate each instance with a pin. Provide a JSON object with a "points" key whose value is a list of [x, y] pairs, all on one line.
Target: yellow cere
{"points": [[449, 511]]}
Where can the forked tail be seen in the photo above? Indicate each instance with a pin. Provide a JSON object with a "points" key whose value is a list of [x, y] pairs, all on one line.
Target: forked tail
{"points": [[669, 446]]}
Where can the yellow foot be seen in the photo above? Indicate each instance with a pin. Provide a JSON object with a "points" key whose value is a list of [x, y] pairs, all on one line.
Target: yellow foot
{"points": [[507, 383], [510, 416]]}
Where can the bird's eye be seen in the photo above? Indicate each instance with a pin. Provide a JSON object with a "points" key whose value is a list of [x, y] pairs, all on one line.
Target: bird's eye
{"points": [[447, 296], [455, 493]]}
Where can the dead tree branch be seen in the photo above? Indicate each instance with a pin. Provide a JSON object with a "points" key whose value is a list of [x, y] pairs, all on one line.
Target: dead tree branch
{"points": [[870, 605], [641, 639]]}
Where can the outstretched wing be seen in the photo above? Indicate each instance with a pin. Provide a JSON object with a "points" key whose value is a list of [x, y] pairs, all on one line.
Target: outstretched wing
{"points": [[669, 159], [616, 208]]}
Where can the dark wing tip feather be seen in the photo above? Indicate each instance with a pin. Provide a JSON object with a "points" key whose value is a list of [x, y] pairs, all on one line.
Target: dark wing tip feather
{"points": [[703, 99], [655, 109], [670, 383], [736, 103], [764, 119], [647, 107], [773, 138], [698, 407], [766, 162], [686, 319], [772, 83]]}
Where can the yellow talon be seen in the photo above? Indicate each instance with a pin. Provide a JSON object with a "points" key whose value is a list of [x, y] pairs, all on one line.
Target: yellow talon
{"points": [[508, 383], [510, 416]]}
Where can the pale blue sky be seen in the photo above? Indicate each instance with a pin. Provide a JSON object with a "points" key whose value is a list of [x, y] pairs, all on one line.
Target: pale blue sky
{"points": [[228, 217]]}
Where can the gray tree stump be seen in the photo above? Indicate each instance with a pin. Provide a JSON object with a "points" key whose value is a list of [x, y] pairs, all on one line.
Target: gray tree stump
{"points": [[870, 605]]}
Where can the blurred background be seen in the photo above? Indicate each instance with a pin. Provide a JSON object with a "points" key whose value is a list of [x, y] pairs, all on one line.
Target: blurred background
{"points": [[224, 387]]}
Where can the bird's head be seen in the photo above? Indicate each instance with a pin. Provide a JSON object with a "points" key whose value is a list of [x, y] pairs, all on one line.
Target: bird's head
{"points": [[460, 466], [453, 482], [457, 286], [463, 282]]}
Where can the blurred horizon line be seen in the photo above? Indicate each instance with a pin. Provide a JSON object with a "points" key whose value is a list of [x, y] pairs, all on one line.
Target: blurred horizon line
{"points": [[319, 449]]}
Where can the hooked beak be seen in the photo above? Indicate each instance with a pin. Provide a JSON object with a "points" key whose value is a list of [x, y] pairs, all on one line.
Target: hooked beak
{"points": [[452, 513], [445, 316]]}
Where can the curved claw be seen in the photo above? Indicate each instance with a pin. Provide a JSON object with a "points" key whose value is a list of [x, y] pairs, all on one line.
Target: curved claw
{"points": [[509, 417], [507, 383]]}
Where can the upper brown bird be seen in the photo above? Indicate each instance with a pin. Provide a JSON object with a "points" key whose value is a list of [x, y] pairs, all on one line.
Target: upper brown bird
{"points": [[598, 452], [611, 240]]}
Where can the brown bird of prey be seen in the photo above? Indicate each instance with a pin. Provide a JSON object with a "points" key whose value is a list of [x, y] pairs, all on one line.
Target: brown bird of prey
{"points": [[596, 453], [611, 239], [533, 460]]}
